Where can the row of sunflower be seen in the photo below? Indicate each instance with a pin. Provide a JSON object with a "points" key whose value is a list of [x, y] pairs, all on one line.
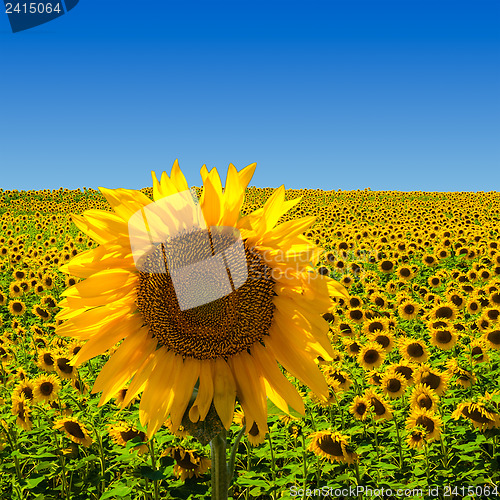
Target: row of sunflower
{"points": [[412, 382]]}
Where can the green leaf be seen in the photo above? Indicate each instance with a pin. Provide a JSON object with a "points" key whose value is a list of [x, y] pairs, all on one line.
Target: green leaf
{"points": [[33, 482], [119, 491]]}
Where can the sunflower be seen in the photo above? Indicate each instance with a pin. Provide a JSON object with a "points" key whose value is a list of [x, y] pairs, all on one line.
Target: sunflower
{"points": [[375, 325], [433, 378], [373, 377], [79, 385], [201, 296], [15, 290], [335, 377], [384, 339], [355, 315], [63, 368], [6, 354], [22, 412], [416, 437], [405, 273], [423, 397], [254, 435], [446, 310], [17, 307], [381, 409], [479, 351], [444, 338], [346, 328], [492, 337], [24, 388], [481, 417], [393, 385], [121, 433], [371, 355], [332, 446], [360, 407], [46, 360], [408, 309], [74, 430], [46, 388], [413, 350], [473, 305], [41, 312], [426, 419], [188, 463]]}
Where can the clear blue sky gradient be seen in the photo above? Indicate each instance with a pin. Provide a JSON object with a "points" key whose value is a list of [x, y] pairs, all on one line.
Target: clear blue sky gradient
{"points": [[392, 95]]}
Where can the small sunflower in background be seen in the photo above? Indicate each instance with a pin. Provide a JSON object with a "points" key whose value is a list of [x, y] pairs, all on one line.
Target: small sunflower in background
{"points": [[21, 411], [443, 338], [446, 310], [333, 446], [74, 430], [492, 337], [413, 350], [393, 385], [253, 433], [409, 309], [385, 339], [46, 360], [380, 408], [416, 437], [46, 388], [24, 388], [405, 273], [360, 408], [188, 463], [481, 416], [433, 378], [229, 345], [17, 307], [371, 355], [479, 351], [121, 433], [423, 398], [429, 421], [63, 367]]}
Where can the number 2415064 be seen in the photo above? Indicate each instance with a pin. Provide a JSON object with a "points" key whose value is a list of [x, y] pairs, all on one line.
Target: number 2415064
{"points": [[32, 8]]}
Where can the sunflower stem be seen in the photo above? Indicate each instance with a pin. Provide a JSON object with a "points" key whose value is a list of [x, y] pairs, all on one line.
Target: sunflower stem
{"points": [[304, 464], [273, 463], [426, 452], [340, 410], [401, 461], [102, 460], [153, 466], [234, 450], [16, 460], [219, 478], [358, 478]]}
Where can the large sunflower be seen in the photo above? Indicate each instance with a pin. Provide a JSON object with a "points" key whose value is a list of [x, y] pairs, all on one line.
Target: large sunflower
{"points": [[206, 301]]}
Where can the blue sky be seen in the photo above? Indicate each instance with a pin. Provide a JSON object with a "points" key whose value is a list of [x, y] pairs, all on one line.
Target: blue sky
{"points": [[339, 94]]}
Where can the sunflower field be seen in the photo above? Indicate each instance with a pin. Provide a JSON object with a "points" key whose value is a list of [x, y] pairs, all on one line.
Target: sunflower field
{"points": [[413, 399]]}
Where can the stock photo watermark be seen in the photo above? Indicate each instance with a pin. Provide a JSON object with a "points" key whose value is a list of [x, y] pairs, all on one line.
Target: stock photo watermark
{"points": [[26, 15], [206, 263]]}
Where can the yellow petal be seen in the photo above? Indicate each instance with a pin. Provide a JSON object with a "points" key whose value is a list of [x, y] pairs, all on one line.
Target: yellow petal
{"points": [[211, 203], [106, 339], [177, 177], [105, 282], [123, 364], [205, 395], [299, 363], [125, 202], [224, 392], [250, 387], [276, 380], [184, 390]]}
